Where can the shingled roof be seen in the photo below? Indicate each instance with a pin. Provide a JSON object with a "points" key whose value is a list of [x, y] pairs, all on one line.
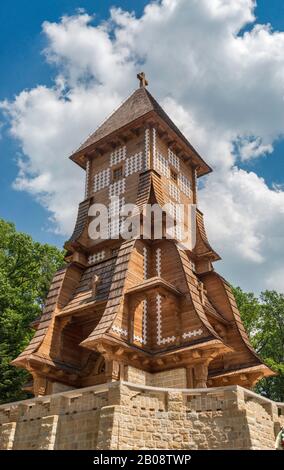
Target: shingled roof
{"points": [[140, 103]]}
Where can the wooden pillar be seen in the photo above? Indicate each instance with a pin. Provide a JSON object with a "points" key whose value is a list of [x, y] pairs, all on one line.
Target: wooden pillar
{"points": [[189, 377], [112, 370], [40, 385], [201, 375]]}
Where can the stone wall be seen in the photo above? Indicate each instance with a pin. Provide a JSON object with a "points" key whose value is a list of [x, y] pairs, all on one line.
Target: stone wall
{"points": [[121, 415], [174, 378]]}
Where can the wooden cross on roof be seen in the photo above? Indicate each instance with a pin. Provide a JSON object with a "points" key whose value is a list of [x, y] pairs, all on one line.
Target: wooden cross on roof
{"points": [[142, 79]]}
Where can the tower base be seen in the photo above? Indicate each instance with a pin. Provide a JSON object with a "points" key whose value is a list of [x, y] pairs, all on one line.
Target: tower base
{"points": [[123, 415]]}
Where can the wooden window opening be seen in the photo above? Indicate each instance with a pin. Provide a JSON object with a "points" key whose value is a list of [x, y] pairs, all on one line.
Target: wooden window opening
{"points": [[174, 176], [117, 173]]}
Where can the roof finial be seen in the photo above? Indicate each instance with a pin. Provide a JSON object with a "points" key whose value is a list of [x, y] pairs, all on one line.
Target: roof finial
{"points": [[142, 79]]}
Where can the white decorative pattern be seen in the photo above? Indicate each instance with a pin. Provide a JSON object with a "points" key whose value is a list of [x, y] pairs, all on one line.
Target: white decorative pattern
{"points": [[158, 262], [179, 212], [171, 209], [160, 339], [174, 191], [174, 210], [184, 184], [147, 148], [134, 164], [161, 164], [96, 257], [115, 228], [145, 262], [87, 179], [144, 322], [143, 339], [171, 232], [139, 339], [192, 333], [115, 206], [118, 155], [173, 159], [117, 188], [178, 233], [101, 180], [154, 142], [119, 330]]}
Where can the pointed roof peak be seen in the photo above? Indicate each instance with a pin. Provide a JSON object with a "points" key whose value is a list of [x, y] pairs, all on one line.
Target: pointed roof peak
{"points": [[138, 104], [135, 106]]}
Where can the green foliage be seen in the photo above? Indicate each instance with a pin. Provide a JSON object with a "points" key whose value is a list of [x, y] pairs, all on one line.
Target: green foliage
{"points": [[263, 318], [26, 269]]}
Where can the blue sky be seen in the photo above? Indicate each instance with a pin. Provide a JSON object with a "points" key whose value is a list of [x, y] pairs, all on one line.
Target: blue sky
{"points": [[270, 167], [24, 67]]}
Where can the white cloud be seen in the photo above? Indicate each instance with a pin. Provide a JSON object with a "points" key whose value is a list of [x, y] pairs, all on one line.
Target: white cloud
{"points": [[224, 89], [252, 148], [50, 124], [246, 219]]}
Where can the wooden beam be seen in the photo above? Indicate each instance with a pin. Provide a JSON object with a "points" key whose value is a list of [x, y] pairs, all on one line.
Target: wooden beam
{"points": [[160, 362], [119, 351], [135, 131], [145, 362], [196, 354]]}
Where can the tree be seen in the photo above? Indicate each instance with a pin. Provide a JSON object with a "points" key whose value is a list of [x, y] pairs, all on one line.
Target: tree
{"points": [[26, 270], [263, 318]]}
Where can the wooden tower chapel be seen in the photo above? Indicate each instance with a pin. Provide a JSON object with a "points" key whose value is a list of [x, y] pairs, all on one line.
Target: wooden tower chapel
{"points": [[144, 310]]}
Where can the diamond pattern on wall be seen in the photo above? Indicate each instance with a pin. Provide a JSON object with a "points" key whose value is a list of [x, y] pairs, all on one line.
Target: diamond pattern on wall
{"points": [[87, 179], [154, 142], [147, 148], [96, 257], [174, 191], [161, 165], [117, 188], [173, 159], [134, 164], [101, 180], [118, 155], [115, 206], [184, 184], [174, 210], [115, 227]]}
